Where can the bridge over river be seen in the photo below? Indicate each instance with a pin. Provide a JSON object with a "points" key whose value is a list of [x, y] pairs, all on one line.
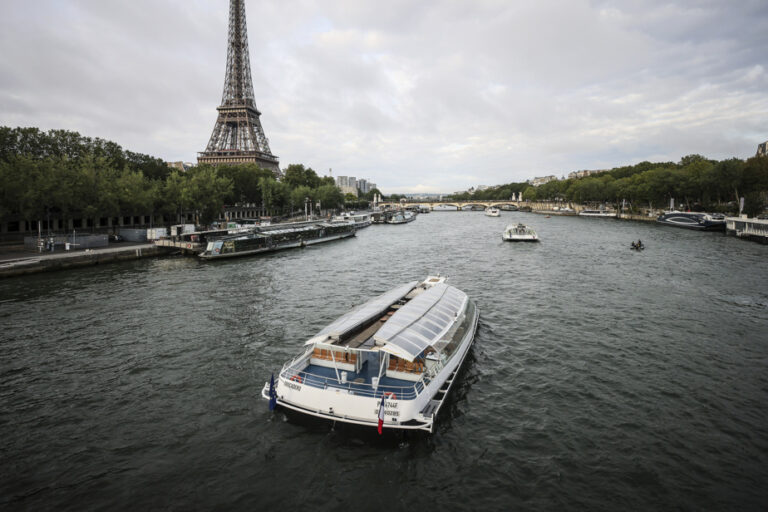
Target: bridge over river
{"points": [[459, 205]]}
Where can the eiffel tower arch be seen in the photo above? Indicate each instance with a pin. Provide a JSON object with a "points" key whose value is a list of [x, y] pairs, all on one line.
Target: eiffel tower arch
{"points": [[237, 135]]}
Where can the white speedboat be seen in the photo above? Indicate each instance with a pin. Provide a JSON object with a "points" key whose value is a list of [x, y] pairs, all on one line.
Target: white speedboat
{"points": [[492, 212], [394, 358], [519, 233]]}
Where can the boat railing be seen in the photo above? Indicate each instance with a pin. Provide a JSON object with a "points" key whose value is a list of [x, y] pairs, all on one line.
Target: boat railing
{"points": [[296, 371]]}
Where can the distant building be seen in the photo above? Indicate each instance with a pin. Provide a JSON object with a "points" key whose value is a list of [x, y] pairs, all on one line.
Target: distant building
{"points": [[181, 166], [352, 185], [542, 180], [762, 149], [347, 184], [582, 174]]}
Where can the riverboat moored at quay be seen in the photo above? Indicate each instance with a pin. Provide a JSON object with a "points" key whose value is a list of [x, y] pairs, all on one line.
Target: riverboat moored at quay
{"points": [[693, 220], [597, 213], [388, 363], [361, 220], [401, 217], [276, 237]]}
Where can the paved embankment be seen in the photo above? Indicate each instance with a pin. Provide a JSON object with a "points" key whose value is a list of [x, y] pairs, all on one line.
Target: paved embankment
{"points": [[26, 263], [641, 218]]}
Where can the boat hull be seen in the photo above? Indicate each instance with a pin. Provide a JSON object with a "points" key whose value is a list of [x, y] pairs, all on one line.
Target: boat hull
{"points": [[602, 215], [277, 247], [693, 221], [520, 239]]}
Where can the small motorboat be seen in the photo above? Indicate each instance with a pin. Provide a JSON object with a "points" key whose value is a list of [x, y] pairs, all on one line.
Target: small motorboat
{"points": [[637, 246], [519, 233], [492, 212]]}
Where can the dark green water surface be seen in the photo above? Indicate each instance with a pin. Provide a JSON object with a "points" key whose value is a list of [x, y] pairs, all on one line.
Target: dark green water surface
{"points": [[600, 379]]}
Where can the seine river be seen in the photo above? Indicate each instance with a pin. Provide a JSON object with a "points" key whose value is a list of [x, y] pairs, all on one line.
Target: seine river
{"points": [[600, 379]]}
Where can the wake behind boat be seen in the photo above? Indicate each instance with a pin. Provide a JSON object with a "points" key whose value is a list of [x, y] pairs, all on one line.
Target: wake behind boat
{"points": [[392, 359]]}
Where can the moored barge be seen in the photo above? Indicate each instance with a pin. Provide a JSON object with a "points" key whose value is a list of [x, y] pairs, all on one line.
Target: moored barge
{"points": [[276, 237]]}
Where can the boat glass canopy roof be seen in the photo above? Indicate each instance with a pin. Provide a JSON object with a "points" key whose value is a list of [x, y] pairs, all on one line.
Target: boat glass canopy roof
{"points": [[366, 312], [422, 321]]}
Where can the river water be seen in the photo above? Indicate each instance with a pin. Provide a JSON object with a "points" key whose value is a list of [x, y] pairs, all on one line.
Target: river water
{"points": [[601, 378]]}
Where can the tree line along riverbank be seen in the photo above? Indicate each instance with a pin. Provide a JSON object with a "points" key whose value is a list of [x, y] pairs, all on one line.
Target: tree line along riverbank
{"points": [[695, 182], [63, 175]]}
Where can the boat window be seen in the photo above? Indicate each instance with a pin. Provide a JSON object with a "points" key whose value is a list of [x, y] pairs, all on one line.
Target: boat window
{"points": [[372, 309], [422, 321]]}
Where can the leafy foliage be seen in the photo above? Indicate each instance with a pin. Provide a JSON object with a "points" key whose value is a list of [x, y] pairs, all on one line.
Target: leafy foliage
{"points": [[695, 181], [61, 173]]}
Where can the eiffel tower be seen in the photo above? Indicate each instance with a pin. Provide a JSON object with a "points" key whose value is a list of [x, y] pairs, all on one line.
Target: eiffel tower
{"points": [[238, 136]]}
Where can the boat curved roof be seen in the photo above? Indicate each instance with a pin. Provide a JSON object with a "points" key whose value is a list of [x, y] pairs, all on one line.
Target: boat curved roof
{"points": [[365, 312], [422, 322]]}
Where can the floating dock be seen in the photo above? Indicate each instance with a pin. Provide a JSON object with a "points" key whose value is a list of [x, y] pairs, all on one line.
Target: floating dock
{"points": [[751, 229]]}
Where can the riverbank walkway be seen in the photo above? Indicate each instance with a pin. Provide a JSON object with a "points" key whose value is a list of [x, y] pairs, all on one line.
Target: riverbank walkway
{"points": [[15, 261]]}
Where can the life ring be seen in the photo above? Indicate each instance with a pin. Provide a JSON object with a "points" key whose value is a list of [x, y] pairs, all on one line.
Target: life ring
{"points": [[189, 246], [390, 395], [297, 378]]}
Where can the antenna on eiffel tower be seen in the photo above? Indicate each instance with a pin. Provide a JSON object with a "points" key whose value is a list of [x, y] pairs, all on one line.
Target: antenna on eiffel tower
{"points": [[237, 135]]}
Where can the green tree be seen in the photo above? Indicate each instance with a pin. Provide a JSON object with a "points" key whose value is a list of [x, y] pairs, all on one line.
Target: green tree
{"points": [[205, 191], [330, 196], [296, 176], [530, 194], [300, 195]]}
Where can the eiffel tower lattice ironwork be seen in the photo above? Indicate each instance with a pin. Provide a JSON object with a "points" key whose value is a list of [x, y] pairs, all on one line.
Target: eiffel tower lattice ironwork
{"points": [[238, 136]]}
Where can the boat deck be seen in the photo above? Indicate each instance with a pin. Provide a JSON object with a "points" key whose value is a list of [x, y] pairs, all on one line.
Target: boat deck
{"points": [[360, 382]]}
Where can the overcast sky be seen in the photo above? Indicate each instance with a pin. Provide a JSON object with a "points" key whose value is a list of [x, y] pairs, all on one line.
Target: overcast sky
{"points": [[417, 95]]}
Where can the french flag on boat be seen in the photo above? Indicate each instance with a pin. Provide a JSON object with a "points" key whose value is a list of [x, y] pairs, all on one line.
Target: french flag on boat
{"points": [[381, 413]]}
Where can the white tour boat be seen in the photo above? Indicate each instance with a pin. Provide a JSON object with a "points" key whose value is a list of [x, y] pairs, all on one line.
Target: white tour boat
{"points": [[361, 220], [492, 212], [394, 359], [519, 233], [597, 213]]}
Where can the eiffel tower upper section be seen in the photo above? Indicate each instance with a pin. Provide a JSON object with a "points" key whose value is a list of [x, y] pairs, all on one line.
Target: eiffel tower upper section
{"points": [[238, 136]]}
